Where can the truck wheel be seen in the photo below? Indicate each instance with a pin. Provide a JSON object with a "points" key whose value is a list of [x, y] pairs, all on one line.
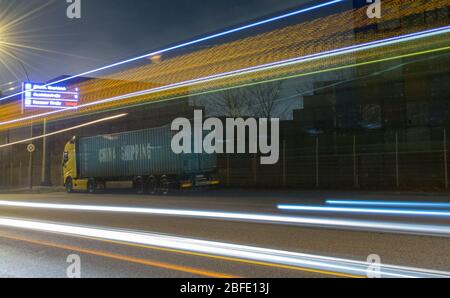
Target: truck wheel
{"points": [[165, 186], [69, 185], [91, 186], [139, 186], [152, 186]]}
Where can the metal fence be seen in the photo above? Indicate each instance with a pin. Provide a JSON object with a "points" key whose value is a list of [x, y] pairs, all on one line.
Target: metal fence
{"points": [[348, 162], [388, 160]]}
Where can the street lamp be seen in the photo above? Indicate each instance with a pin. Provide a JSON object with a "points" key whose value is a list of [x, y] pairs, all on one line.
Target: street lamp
{"points": [[21, 64]]}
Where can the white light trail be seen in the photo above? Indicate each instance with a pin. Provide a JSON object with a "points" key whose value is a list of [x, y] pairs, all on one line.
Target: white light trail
{"points": [[379, 226], [365, 210], [271, 256], [64, 130]]}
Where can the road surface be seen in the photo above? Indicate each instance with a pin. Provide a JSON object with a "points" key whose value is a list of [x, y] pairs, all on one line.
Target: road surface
{"points": [[214, 234]]}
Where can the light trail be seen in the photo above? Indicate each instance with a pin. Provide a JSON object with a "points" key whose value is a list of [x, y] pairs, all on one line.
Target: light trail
{"points": [[264, 67], [253, 253], [388, 203], [193, 42], [7, 84], [379, 226], [64, 130], [365, 210]]}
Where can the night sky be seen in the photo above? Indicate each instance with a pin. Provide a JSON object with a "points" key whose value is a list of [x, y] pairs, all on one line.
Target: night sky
{"points": [[111, 30]]}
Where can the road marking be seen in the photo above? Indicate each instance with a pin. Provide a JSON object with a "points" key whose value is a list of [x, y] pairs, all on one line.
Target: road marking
{"points": [[139, 261]]}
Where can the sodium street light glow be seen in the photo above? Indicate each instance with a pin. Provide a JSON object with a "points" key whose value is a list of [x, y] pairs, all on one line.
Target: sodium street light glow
{"points": [[366, 210], [193, 42], [234, 251], [380, 226], [64, 130], [307, 58], [388, 203]]}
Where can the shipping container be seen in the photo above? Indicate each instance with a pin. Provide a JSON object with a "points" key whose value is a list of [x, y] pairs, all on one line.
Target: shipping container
{"points": [[144, 157]]}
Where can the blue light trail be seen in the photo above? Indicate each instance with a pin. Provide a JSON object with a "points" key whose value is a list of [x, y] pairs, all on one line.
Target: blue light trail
{"points": [[388, 203]]}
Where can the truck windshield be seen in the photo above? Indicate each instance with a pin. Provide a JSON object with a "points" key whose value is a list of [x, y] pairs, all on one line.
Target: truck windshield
{"points": [[65, 158]]}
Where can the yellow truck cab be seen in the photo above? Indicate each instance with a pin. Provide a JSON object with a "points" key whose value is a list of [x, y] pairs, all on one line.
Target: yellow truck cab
{"points": [[69, 165]]}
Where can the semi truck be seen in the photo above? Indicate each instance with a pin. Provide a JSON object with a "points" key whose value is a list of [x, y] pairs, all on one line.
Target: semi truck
{"points": [[143, 158]]}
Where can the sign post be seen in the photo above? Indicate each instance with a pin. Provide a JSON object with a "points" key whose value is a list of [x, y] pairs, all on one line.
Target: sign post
{"points": [[44, 154], [30, 148]]}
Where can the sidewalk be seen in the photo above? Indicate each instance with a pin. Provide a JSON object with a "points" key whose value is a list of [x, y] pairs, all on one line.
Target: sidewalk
{"points": [[263, 193], [36, 189]]}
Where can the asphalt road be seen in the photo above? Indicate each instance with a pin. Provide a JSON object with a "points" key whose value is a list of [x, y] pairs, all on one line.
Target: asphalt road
{"points": [[25, 252]]}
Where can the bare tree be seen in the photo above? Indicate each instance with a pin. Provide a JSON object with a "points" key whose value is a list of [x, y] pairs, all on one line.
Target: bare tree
{"points": [[230, 103], [262, 99]]}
